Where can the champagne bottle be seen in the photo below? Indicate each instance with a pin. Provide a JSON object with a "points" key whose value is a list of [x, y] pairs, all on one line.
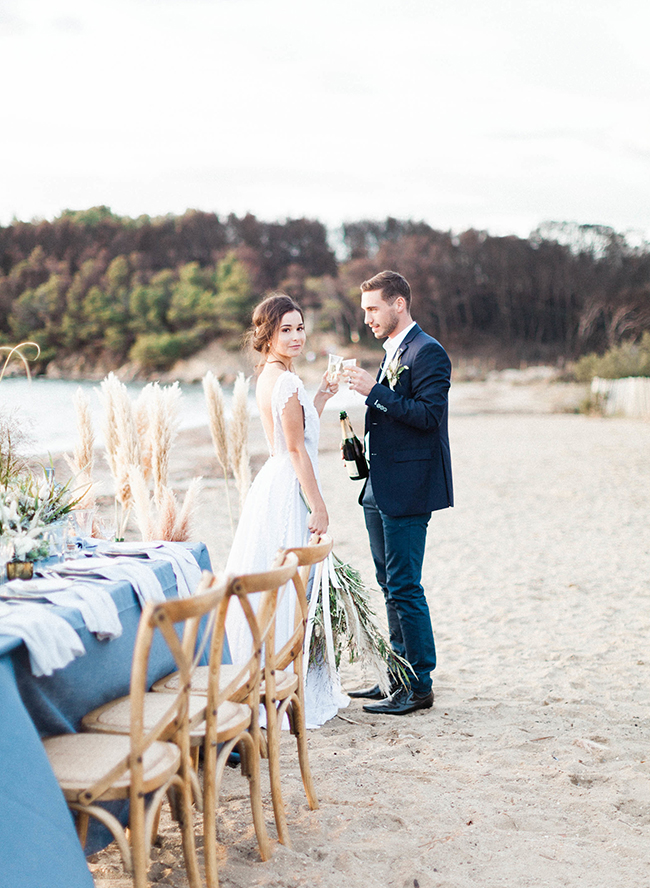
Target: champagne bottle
{"points": [[355, 461]]}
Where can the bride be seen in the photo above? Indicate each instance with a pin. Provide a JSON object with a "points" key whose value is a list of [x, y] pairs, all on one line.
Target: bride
{"points": [[275, 514]]}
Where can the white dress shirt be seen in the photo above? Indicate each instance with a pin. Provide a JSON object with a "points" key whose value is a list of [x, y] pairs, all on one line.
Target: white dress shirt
{"points": [[391, 345]]}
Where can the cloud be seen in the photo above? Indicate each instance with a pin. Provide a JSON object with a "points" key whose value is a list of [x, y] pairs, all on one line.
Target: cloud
{"points": [[350, 108]]}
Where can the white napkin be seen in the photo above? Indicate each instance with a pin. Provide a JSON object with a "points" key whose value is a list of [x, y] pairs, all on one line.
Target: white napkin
{"points": [[94, 603], [144, 581], [35, 588], [51, 641], [186, 570]]}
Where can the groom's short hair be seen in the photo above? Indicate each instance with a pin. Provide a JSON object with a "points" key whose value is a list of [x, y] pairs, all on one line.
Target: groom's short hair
{"points": [[391, 285]]}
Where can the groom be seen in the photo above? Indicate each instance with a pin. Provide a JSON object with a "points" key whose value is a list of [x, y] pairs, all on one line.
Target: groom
{"points": [[410, 477]]}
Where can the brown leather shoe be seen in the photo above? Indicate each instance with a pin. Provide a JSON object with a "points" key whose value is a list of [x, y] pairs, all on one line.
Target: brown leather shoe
{"points": [[401, 702]]}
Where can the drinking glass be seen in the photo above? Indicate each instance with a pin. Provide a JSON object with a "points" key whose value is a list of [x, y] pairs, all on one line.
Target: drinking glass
{"points": [[334, 363], [345, 365], [82, 521], [56, 536], [107, 529]]}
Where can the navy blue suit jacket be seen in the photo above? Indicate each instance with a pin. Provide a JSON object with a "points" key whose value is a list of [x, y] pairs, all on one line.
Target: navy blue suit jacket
{"points": [[410, 460]]}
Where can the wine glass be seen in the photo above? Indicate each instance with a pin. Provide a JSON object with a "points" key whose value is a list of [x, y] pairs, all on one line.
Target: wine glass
{"points": [[334, 363], [82, 521], [56, 536]]}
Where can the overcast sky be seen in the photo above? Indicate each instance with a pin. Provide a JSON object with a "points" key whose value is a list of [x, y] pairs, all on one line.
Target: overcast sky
{"points": [[492, 114]]}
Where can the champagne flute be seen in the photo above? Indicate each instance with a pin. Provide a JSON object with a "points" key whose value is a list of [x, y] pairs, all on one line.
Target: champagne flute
{"points": [[334, 364]]}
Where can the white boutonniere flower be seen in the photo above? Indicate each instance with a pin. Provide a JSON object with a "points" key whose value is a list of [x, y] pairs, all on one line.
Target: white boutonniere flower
{"points": [[394, 371]]}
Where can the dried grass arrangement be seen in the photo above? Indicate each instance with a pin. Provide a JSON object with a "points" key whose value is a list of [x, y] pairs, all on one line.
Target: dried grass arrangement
{"points": [[16, 352], [13, 436], [159, 517], [230, 439], [122, 445], [239, 453], [163, 408], [139, 436], [82, 461], [218, 429]]}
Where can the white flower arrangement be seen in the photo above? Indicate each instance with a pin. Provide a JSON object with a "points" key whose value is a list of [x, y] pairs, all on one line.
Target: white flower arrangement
{"points": [[27, 506], [22, 535], [394, 370]]}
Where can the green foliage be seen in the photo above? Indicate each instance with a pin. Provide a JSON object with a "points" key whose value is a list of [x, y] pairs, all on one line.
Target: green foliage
{"points": [[94, 216], [235, 298], [626, 359], [159, 351], [149, 303], [94, 283], [193, 298]]}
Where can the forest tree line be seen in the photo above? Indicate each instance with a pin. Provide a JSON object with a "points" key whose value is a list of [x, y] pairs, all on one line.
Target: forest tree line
{"points": [[153, 290]]}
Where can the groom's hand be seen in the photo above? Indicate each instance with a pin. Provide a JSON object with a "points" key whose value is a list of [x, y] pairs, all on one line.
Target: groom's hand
{"points": [[360, 380]]}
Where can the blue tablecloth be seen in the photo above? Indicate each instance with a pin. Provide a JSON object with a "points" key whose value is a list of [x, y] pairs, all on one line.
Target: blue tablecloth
{"points": [[39, 847]]}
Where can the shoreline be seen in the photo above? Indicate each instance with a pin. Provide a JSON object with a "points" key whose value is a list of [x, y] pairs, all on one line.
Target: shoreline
{"points": [[523, 392]]}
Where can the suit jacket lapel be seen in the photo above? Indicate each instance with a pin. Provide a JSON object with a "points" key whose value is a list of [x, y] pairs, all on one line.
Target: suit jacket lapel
{"points": [[398, 354], [409, 336], [381, 378]]}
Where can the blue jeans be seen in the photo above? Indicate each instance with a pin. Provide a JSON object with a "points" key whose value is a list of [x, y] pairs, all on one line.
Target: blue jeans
{"points": [[397, 546]]}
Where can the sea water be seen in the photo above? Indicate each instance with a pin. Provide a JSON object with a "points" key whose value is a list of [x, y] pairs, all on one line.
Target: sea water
{"points": [[44, 409]]}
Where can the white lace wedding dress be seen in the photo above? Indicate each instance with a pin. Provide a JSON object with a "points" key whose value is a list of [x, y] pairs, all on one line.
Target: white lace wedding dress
{"points": [[274, 516]]}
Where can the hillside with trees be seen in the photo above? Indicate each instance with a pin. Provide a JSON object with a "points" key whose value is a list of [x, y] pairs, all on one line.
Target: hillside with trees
{"points": [[109, 289]]}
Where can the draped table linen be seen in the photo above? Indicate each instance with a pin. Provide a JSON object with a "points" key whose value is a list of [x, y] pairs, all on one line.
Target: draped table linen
{"points": [[37, 837]]}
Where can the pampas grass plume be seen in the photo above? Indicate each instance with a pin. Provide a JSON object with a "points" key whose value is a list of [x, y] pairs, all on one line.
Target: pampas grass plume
{"points": [[163, 429], [218, 430], [83, 458], [239, 456], [167, 509], [84, 450], [109, 396], [142, 418], [217, 417], [141, 502], [183, 524]]}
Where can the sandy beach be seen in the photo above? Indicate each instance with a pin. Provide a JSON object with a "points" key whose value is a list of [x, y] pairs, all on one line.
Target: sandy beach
{"points": [[532, 767]]}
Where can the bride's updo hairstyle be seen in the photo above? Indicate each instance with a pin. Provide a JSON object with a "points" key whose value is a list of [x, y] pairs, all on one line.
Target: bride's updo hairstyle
{"points": [[267, 318]]}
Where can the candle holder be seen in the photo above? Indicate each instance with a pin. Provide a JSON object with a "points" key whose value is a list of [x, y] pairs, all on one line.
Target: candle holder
{"points": [[20, 570]]}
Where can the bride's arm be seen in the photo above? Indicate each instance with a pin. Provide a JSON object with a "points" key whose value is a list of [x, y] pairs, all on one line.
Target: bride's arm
{"points": [[294, 434], [326, 390]]}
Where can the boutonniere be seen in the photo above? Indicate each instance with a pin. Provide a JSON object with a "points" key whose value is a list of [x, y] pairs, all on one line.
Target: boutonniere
{"points": [[394, 371]]}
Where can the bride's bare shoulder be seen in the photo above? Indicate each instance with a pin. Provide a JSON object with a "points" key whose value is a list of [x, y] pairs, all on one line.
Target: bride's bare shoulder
{"points": [[266, 381]]}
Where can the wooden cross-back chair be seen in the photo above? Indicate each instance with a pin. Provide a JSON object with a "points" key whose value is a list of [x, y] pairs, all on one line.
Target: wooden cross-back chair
{"points": [[152, 756], [232, 694], [283, 690], [262, 625]]}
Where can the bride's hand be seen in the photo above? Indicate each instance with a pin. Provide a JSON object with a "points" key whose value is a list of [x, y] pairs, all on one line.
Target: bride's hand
{"points": [[318, 520], [328, 388]]}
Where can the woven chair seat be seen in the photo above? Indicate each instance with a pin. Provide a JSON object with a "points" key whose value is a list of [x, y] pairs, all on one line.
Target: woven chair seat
{"points": [[232, 719], [115, 717], [80, 760], [286, 682], [227, 673]]}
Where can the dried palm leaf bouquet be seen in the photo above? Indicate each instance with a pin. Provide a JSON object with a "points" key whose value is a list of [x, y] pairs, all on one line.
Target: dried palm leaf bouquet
{"points": [[354, 628]]}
